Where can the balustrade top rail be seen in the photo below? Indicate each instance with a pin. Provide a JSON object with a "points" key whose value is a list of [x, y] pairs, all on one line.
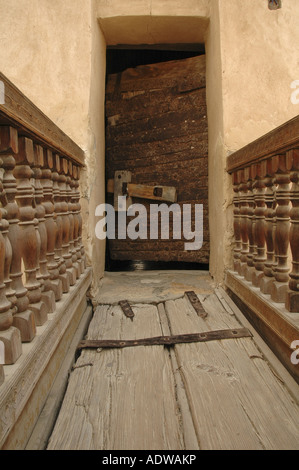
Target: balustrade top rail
{"points": [[19, 112], [277, 141]]}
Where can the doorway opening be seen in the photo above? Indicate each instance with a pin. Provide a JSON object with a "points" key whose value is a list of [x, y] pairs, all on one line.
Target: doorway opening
{"points": [[119, 256]]}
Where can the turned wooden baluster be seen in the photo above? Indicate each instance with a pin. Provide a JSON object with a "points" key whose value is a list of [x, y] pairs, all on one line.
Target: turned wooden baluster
{"points": [[43, 274], [67, 255], [29, 237], [2, 377], [10, 336], [270, 202], [259, 172], [63, 276], [250, 224], [74, 207], [292, 301], [79, 246], [23, 318], [243, 189], [80, 242], [69, 182], [237, 222], [10, 293], [71, 219], [54, 283], [282, 231], [63, 208]]}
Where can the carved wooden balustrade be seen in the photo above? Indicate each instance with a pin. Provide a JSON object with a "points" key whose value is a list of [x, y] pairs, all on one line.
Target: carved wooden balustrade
{"points": [[41, 251], [265, 177]]}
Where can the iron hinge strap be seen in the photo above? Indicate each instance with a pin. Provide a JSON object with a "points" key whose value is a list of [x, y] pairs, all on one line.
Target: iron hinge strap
{"points": [[166, 340]]}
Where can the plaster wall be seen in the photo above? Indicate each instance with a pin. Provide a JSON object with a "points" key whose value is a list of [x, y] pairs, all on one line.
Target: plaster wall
{"points": [[259, 59], [54, 52], [45, 50]]}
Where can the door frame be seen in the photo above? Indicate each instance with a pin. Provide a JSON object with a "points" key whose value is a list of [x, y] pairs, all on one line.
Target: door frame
{"points": [[220, 210]]}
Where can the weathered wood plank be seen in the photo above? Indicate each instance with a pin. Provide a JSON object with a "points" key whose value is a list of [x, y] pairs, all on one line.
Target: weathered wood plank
{"points": [[159, 127], [152, 77], [188, 147], [155, 102], [241, 403], [189, 430], [119, 406]]}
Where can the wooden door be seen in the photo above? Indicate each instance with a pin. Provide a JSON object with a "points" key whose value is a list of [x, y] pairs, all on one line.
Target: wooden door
{"points": [[156, 128]]}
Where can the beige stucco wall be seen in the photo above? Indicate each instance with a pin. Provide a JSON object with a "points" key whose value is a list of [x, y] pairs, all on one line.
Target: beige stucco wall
{"points": [[259, 60], [54, 51]]}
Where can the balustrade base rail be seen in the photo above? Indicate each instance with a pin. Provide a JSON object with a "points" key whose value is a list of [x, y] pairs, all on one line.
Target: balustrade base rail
{"points": [[265, 276], [278, 327], [28, 382]]}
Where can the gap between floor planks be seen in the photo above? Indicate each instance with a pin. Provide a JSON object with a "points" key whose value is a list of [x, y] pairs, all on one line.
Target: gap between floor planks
{"points": [[218, 395]]}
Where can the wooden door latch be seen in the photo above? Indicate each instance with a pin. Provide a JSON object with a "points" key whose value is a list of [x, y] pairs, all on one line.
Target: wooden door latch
{"points": [[121, 185]]}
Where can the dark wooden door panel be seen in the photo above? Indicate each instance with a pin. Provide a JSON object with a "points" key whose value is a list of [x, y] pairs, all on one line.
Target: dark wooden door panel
{"points": [[156, 128]]}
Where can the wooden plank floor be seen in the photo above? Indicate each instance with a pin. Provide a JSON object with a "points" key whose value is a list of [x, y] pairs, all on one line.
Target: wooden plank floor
{"points": [[221, 394]]}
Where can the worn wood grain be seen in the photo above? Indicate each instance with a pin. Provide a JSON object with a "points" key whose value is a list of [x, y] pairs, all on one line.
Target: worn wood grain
{"points": [[236, 400], [128, 400], [214, 395]]}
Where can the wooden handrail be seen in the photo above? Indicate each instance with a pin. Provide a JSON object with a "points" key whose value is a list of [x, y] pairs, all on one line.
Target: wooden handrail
{"points": [[18, 111], [277, 141]]}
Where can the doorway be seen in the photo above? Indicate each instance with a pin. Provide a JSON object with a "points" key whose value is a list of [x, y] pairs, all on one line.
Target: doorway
{"points": [[156, 129]]}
